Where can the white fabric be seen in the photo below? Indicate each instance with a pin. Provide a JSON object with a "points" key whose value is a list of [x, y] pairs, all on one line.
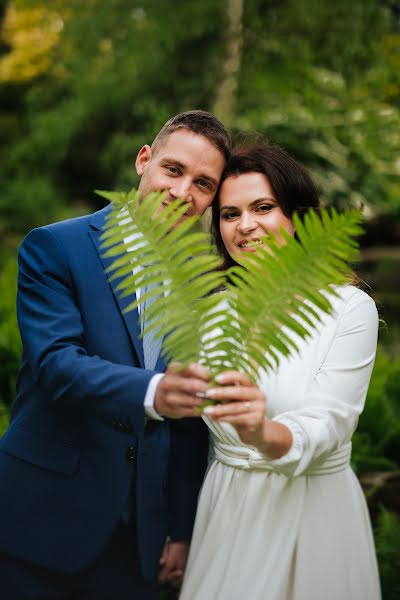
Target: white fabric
{"points": [[294, 528], [149, 409], [151, 342]]}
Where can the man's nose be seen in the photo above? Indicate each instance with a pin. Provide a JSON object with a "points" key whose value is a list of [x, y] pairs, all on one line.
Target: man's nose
{"points": [[247, 223], [182, 189]]}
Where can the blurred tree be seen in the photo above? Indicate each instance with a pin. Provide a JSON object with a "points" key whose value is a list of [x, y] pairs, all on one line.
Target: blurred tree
{"points": [[84, 85], [315, 78], [30, 34], [225, 100]]}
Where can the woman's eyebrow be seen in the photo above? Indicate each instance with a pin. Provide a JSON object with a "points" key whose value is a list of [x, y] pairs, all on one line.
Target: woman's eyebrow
{"points": [[228, 207], [263, 199], [253, 203]]}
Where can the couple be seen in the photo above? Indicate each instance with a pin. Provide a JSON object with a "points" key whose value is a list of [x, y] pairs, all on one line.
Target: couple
{"points": [[101, 463]]}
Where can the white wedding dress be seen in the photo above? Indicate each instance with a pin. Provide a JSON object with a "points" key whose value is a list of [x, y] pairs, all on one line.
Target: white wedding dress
{"points": [[294, 528]]}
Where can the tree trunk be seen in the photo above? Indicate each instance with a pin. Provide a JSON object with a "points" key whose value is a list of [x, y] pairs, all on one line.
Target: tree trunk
{"points": [[225, 100]]}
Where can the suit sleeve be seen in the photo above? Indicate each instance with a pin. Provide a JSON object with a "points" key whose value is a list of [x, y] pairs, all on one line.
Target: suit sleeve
{"points": [[53, 337], [336, 395]]}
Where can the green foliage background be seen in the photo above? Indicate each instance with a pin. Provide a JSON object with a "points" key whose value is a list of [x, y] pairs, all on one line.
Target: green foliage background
{"points": [[84, 84]]}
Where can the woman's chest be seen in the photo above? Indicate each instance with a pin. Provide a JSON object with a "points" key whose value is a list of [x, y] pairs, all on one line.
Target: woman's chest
{"points": [[286, 386]]}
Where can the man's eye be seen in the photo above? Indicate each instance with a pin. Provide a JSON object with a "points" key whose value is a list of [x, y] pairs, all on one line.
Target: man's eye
{"points": [[204, 183], [173, 170]]}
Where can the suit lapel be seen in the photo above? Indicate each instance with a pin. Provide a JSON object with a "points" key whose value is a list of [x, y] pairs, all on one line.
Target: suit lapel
{"points": [[131, 317], [160, 366]]}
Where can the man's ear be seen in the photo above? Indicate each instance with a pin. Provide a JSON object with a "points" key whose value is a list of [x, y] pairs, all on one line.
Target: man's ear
{"points": [[143, 158]]}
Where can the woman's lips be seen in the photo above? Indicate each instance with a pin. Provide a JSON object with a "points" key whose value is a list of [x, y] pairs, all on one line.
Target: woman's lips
{"points": [[249, 245]]}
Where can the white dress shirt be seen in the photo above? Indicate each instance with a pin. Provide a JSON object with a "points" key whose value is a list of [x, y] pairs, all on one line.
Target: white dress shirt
{"points": [[149, 409]]}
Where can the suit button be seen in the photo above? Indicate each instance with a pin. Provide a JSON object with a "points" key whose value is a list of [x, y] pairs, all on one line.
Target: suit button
{"points": [[131, 453], [117, 425]]}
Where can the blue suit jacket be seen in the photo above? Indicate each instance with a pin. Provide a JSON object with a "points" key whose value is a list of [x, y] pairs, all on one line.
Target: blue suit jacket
{"points": [[66, 465]]}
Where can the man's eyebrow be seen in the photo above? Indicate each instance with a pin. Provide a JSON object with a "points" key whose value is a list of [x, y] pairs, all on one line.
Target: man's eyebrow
{"points": [[213, 181], [172, 161]]}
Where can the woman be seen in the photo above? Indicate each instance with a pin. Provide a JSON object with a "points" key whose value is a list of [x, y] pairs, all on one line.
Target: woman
{"points": [[281, 514]]}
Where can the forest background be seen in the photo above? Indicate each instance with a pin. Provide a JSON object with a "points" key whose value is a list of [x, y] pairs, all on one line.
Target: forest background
{"points": [[83, 85]]}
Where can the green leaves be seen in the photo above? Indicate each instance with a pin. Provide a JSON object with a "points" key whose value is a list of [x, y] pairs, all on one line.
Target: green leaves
{"points": [[281, 290], [163, 249], [276, 296]]}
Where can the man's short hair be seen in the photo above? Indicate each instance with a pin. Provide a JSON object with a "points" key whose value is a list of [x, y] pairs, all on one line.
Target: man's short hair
{"points": [[200, 122]]}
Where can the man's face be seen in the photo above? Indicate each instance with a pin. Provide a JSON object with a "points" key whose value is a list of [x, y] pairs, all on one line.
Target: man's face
{"points": [[185, 165]]}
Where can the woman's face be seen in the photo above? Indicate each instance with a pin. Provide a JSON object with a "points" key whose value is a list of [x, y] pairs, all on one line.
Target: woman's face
{"points": [[248, 212]]}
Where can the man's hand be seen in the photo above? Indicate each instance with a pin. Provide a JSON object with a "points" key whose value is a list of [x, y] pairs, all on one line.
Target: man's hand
{"points": [[180, 392], [173, 563]]}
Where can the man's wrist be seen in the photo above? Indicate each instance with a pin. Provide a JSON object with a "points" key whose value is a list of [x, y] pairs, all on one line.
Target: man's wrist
{"points": [[149, 408]]}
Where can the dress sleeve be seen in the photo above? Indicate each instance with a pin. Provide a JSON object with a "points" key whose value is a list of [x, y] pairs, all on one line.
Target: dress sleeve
{"points": [[336, 395]]}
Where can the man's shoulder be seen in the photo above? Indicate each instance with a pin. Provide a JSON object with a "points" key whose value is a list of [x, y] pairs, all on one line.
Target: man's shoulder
{"points": [[75, 226], [69, 232]]}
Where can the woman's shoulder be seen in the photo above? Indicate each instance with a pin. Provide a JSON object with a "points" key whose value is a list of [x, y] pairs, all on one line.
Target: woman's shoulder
{"points": [[352, 295], [352, 301]]}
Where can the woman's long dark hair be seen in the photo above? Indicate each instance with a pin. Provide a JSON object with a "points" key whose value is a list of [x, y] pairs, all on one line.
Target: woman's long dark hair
{"points": [[293, 186]]}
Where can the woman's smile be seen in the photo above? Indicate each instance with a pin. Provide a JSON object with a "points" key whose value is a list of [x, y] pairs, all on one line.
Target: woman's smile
{"points": [[249, 245]]}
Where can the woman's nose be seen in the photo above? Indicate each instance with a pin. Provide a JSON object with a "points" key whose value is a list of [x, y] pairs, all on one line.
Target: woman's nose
{"points": [[247, 223]]}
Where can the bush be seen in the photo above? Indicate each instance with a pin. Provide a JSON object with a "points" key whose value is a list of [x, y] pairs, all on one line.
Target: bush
{"points": [[10, 342], [376, 444], [4, 414], [27, 202], [387, 540]]}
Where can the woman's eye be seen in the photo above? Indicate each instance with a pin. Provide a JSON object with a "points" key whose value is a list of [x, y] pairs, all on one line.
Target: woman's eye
{"points": [[265, 207], [229, 215]]}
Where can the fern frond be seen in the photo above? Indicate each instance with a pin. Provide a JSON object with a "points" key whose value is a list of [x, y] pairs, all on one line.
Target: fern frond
{"points": [[273, 299], [279, 291], [152, 244]]}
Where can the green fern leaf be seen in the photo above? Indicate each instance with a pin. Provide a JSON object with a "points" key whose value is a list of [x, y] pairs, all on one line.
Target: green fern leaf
{"points": [[279, 290], [164, 250], [275, 297]]}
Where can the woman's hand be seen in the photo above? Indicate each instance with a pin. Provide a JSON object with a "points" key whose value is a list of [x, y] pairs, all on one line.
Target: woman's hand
{"points": [[243, 405]]}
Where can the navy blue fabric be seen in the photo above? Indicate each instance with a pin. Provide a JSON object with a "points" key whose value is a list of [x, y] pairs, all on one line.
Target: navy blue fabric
{"points": [[113, 576], [77, 442]]}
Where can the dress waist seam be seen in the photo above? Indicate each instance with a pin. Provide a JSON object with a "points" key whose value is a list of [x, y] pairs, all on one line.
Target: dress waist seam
{"points": [[245, 458]]}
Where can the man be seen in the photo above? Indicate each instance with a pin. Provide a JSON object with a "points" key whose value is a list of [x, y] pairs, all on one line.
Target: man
{"points": [[93, 479]]}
